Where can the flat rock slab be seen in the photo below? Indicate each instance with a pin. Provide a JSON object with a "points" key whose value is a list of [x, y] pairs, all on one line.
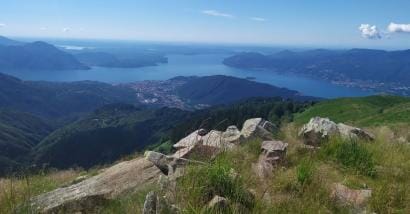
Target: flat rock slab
{"points": [[88, 195]]}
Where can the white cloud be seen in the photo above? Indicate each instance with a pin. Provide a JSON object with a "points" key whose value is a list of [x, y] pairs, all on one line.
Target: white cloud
{"points": [[43, 28], [370, 31], [217, 13], [66, 30], [2, 25], [398, 28], [258, 19]]}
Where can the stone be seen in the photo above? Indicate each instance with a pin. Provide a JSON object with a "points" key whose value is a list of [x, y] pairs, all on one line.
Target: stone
{"points": [[202, 132], [198, 151], [350, 132], [150, 204], [199, 145], [218, 203], [90, 194], [273, 154], [351, 197], [318, 130], [207, 146], [257, 127], [274, 151], [232, 135], [190, 140], [155, 204], [168, 164]]}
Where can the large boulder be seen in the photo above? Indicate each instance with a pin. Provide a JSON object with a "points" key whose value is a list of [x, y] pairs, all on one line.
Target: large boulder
{"points": [[318, 130], [89, 195]]}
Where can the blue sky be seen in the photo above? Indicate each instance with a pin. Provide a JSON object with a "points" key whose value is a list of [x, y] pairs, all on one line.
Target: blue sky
{"points": [[318, 23]]}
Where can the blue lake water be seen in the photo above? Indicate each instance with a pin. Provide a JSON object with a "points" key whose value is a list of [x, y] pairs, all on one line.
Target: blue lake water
{"points": [[199, 65]]}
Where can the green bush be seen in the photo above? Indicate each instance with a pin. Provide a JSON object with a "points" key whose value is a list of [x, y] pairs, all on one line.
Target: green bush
{"points": [[351, 155]]}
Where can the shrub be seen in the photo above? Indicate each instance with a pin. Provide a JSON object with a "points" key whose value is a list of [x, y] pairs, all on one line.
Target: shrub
{"points": [[352, 155]]}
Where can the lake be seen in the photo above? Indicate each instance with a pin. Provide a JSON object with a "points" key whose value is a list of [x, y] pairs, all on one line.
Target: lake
{"points": [[199, 65]]}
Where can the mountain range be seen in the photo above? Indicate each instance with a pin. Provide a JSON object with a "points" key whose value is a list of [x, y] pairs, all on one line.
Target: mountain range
{"points": [[47, 122], [366, 65], [36, 56]]}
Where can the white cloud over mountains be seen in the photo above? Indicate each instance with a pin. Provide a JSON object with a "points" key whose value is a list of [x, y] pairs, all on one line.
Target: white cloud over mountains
{"points": [[370, 31], [2, 25], [398, 28], [217, 13]]}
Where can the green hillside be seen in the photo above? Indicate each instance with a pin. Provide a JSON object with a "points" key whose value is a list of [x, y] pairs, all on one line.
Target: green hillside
{"points": [[106, 135], [364, 111], [19, 133]]}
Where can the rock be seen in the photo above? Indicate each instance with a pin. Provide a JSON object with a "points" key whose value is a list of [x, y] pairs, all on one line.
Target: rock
{"points": [[89, 195], [350, 132], [218, 203], [318, 130], [188, 141], [274, 151], [196, 146], [351, 197], [206, 146], [257, 127], [273, 154], [402, 140], [150, 204], [232, 135], [154, 204], [167, 164], [202, 132], [198, 151]]}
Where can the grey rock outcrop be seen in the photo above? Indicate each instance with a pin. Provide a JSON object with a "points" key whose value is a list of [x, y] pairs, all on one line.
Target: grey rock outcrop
{"points": [[273, 154], [90, 194], [318, 130], [257, 127], [214, 141]]}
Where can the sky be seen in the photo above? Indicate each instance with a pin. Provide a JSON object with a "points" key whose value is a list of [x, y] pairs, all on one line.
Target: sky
{"points": [[316, 23]]}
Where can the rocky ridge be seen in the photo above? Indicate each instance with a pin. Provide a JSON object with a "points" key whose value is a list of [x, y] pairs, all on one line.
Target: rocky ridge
{"points": [[89, 195]]}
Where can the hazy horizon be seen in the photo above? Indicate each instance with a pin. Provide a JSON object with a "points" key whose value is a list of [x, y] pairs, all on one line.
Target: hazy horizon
{"points": [[319, 24]]}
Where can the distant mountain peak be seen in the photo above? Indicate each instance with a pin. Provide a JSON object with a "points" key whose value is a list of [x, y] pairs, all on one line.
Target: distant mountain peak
{"points": [[7, 42]]}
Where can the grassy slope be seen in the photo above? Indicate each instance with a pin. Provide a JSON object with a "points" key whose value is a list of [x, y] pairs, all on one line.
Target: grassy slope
{"points": [[366, 111], [303, 184]]}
